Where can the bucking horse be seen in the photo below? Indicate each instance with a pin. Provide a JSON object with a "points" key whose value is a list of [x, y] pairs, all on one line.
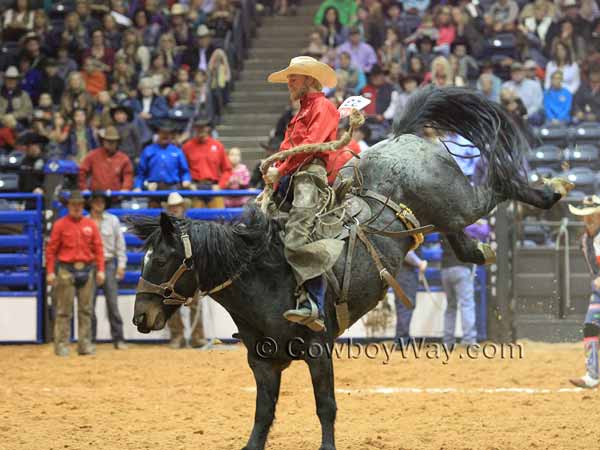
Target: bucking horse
{"points": [[241, 264]]}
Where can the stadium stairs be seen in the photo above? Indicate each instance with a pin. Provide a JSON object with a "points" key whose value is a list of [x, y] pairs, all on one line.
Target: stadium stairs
{"points": [[256, 104]]}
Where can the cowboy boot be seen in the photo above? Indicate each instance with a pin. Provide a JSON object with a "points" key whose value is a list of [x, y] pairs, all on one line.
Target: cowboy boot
{"points": [[309, 305]]}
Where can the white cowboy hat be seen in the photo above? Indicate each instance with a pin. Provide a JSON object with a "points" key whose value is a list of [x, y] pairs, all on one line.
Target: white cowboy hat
{"points": [[203, 31], [591, 205], [306, 65], [12, 72], [175, 199], [178, 9]]}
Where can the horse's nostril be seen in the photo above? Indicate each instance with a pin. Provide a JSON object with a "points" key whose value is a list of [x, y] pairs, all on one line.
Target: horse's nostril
{"points": [[139, 319]]}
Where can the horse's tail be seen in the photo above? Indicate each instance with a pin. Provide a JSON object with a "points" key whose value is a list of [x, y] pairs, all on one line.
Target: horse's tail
{"points": [[467, 113]]}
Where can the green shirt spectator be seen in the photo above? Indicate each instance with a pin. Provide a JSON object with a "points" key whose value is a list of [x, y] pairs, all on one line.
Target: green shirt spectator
{"points": [[347, 10]]}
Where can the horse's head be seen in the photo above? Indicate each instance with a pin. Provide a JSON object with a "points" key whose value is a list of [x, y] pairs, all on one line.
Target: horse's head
{"points": [[167, 279]]}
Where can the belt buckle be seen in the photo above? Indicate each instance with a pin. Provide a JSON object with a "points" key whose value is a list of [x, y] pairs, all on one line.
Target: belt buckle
{"points": [[78, 266]]}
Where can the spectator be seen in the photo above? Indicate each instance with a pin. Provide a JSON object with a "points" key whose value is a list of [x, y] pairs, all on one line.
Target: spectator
{"points": [[446, 29], [179, 26], [115, 261], [84, 13], [148, 33], [408, 277], [136, 54], [106, 168], [379, 91], [363, 55], [31, 169], [562, 59], [130, 138], [168, 49], [586, 103], [335, 34], [163, 165], [122, 80], [529, 91], [485, 84], [468, 69], [148, 106], [502, 15], [177, 206], [81, 137], [355, 78], [399, 99], [74, 35], [316, 48], [374, 33], [13, 100], [531, 70], [347, 11], [209, 166], [442, 74], [361, 136], [198, 55], [75, 245], [66, 65], [75, 96], [17, 20], [31, 50], [99, 51], [51, 82], [30, 79], [240, 178], [112, 33], [220, 19], [425, 50], [458, 282], [571, 39], [8, 131], [468, 32], [93, 77], [557, 100], [58, 135], [392, 50]]}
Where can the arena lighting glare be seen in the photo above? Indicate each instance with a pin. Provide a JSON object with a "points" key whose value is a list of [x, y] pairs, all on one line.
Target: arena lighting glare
{"points": [[135, 206], [539, 155], [544, 132], [497, 42], [581, 131], [1, 183], [577, 154], [12, 160], [534, 177], [572, 177]]}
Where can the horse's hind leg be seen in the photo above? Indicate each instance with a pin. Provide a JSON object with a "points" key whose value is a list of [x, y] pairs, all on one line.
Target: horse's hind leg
{"points": [[321, 373], [470, 250], [268, 380]]}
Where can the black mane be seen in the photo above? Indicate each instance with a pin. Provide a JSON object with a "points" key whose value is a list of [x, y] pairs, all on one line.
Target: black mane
{"points": [[220, 249]]}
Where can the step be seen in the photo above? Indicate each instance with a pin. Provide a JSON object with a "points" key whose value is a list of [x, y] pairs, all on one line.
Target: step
{"points": [[269, 65], [275, 52], [259, 84], [242, 141], [260, 98], [251, 118], [251, 156], [266, 40], [254, 129], [242, 106]]}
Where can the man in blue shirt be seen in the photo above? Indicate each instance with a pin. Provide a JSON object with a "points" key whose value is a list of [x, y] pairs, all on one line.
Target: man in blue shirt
{"points": [[557, 100], [162, 165]]}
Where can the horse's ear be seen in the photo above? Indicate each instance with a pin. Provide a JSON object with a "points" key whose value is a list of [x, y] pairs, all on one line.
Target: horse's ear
{"points": [[166, 226]]}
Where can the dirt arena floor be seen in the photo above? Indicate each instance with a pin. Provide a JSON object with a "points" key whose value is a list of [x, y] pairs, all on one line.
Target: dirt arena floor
{"points": [[151, 397]]}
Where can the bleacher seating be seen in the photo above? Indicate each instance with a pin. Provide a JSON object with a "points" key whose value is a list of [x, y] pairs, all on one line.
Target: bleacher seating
{"points": [[585, 133], [586, 155], [547, 155], [553, 135]]}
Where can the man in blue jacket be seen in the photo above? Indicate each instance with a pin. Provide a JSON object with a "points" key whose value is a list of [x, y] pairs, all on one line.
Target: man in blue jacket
{"points": [[557, 100], [162, 165]]}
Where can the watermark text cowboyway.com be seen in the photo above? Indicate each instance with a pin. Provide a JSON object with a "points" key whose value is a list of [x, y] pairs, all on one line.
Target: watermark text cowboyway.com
{"points": [[297, 347]]}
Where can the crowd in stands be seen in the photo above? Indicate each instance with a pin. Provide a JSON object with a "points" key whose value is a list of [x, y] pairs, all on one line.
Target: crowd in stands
{"points": [[540, 59], [104, 82]]}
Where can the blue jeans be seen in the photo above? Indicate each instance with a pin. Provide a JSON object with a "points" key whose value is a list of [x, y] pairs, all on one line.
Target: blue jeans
{"points": [[458, 282], [408, 279], [111, 294]]}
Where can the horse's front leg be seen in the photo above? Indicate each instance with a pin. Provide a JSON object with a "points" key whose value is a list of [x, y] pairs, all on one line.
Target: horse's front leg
{"points": [[321, 373], [268, 380]]}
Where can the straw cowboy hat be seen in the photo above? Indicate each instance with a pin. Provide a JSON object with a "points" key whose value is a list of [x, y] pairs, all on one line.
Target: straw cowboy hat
{"points": [[175, 199], [110, 133], [306, 65], [591, 205]]}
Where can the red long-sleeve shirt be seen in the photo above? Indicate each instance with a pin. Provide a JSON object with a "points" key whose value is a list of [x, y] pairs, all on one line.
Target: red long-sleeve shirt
{"points": [[208, 161], [74, 241], [316, 122], [106, 172], [339, 159]]}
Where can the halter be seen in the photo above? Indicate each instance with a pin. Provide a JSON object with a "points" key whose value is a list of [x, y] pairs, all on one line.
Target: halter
{"points": [[167, 289]]}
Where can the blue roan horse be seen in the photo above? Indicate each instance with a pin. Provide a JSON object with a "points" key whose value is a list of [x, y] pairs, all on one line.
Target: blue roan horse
{"points": [[243, 267]]}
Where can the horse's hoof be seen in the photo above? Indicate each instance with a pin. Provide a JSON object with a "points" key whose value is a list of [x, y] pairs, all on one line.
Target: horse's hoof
{"points": [[559, 185], [489, 255]]}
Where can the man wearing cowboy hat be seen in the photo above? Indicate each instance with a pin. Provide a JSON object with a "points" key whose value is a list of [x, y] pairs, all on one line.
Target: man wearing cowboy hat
{"points": [[115, 259], [209, 165], [176, 206], [31, 169], [131, 139], [14, 100], [590, 244], [74, 257], [198, 55], [106, 168], [316, 122]]}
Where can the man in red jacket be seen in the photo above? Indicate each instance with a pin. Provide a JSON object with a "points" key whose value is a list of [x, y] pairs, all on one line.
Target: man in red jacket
{"points": [[106, 168], [209, 165], [74, 262], [316, 122]]}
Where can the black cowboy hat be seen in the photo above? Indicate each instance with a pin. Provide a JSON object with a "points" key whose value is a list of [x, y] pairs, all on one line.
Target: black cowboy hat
{"points": [[124, 109], [202, 121], [99, 194], [72, 196], [164, 125], [30, 138]]}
